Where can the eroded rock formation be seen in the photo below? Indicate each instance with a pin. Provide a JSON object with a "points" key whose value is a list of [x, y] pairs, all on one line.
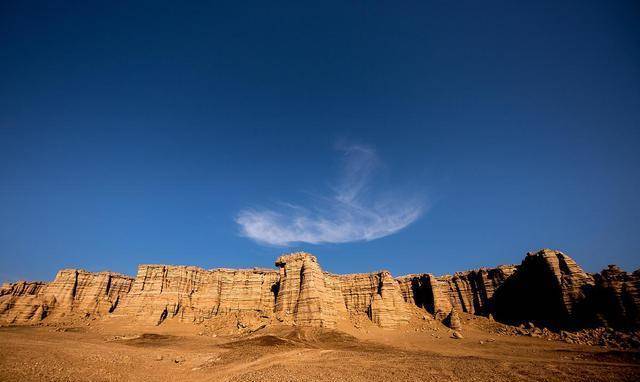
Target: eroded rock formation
{"points": [[616, 298], [453, 320], [192, 294], [469, 292], [306, 295], [72, 294], [377, 295], [548, 288]]}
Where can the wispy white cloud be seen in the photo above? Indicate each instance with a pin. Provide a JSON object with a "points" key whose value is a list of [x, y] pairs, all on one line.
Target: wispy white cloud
{"points": [[353, 211]]}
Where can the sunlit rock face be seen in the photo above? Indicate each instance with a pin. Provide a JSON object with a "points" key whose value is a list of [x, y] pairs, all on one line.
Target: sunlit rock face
{"points": [[74, 293], [469, 292], [378, 295], [548, 287], [192, 294], [306, 295]]}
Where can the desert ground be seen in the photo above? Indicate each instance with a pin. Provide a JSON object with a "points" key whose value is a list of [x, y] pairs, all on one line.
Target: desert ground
{"points": [[421, 351]]}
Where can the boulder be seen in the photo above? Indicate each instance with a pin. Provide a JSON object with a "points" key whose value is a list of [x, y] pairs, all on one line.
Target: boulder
{"points": [[453, 320]]}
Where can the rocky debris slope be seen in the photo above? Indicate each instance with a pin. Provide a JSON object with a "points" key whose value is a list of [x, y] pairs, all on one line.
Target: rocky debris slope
{"points": [[548, 288], [600, 336]]}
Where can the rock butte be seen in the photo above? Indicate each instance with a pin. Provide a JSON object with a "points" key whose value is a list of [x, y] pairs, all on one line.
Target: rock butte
{"points": [[548, 288]]}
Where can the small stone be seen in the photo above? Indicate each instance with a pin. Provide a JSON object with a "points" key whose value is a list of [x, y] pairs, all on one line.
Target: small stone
{"points": [[457, 335], [159, 357]]}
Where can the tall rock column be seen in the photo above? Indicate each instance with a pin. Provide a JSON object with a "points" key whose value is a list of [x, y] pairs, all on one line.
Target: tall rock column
{"points": [[303, 298], [388, 308]]}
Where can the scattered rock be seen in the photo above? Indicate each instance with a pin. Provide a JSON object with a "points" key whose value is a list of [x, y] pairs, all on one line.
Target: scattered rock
{"points": [[440, 315]]}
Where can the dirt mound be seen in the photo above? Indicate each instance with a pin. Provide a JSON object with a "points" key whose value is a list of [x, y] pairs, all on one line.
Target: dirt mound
{"points": [[266, 340], [148, 340]]}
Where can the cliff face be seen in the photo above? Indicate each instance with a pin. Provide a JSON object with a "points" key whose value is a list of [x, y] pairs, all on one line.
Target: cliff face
{"points": [[616, 298], [548, 287], [192, 294], [471, 292], [306, 295], [72, 294], [378, 295]]}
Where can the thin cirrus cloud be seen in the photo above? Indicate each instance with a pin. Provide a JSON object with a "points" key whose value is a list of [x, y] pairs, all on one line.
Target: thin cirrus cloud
{"points": [[352, 211]]}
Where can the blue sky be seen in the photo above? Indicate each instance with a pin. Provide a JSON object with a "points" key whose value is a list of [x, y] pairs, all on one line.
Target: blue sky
{"points": [[418, 136]]}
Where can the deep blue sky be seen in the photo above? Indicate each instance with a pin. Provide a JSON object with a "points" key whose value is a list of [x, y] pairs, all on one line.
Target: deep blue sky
{"points": [[136, 133]]}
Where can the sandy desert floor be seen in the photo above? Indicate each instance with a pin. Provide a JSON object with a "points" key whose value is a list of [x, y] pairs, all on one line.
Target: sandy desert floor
{"points": [[117, 352]]}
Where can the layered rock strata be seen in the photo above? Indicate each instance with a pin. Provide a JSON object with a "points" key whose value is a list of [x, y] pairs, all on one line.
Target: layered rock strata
{"points": [[548, 288], [616, 298], [306, 295], [470, 292], [72, 294], [192, 294], [378, 295]]}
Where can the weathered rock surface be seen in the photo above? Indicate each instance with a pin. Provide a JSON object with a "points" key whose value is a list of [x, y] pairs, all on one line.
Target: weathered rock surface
{"points": [[377, 295], [469, 292], [453, 320], [426, 291], [192, 294], [306, 295], [73, 293], [548, 288], [615, 299]]}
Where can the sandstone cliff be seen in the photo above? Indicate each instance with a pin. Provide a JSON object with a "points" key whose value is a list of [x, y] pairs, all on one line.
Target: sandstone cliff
{"points": [[306, 295], [616, 298], [192, 294], [548, 288], [72, 294], [378, 295], [471, 291]]}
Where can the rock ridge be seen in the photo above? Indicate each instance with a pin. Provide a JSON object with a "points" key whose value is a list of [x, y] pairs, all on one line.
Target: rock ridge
{"points": [[548, 288]]}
